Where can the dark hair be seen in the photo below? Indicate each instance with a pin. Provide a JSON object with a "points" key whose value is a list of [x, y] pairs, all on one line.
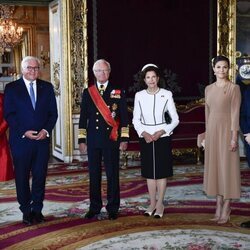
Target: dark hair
{"points": [[143, 73], [220, 58]]}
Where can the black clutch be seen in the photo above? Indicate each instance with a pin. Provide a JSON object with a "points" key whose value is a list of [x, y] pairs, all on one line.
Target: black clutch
{"points": [[168, 118]]}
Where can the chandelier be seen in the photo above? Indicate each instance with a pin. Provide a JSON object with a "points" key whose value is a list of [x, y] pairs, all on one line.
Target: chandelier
{"points": [[10, 33]]}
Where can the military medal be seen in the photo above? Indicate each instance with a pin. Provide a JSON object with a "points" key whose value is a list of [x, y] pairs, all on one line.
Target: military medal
{"points": [[114, 107]]}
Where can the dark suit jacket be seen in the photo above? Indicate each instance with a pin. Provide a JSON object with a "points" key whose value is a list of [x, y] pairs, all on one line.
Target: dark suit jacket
{"points": [[92, 122], [245, 111], [21, 116]]}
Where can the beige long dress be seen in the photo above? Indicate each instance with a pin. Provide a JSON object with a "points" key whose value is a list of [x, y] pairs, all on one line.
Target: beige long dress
{"points": [[222, 166]]}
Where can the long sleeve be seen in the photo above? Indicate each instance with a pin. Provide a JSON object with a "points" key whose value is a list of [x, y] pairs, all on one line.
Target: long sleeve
{"points": [[52, 111], [124, 118], [149, 112], [137, 113], [235, 108], [82, 130], [245, 111], [10, 112], [173, 113], [206, 108]]}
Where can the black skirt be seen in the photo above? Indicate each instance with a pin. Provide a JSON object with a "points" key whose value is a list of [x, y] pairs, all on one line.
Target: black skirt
{"points": [[156, 158]]}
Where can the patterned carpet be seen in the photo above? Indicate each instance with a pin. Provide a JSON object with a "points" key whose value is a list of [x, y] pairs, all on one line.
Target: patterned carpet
{"points": [[185, 225]]}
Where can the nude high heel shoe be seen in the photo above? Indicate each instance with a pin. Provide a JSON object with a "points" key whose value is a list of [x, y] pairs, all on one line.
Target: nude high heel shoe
{"points": [[217, 215], [216, 218], [224, 219], [219, 205]]}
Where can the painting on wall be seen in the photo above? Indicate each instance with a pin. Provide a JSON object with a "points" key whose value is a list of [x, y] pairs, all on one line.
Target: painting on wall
{"points": [[5, 71], [6, 57]]}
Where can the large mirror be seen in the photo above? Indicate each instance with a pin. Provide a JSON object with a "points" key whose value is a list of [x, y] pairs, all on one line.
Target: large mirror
{"points": [[243, 27]]}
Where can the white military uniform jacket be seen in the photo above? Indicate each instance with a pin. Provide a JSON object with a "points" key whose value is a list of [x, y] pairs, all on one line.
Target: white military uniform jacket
{"points": [[149, 112]]}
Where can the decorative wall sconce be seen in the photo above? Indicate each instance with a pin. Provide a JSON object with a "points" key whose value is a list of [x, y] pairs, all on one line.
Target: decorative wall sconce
{"points": [[44, 56]]}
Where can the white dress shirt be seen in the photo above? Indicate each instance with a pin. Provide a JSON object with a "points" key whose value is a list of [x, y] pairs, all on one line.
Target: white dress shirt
{"points": [[27, 84], [104, 85], [149, 112]]}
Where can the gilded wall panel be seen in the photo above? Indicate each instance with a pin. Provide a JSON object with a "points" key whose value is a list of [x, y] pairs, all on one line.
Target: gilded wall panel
{"points": [[226, 32], [79, 56]]}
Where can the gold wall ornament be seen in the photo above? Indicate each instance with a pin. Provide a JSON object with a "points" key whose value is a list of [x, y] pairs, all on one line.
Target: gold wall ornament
{"points": [[226, 32], [56, 78], [79, 55]]}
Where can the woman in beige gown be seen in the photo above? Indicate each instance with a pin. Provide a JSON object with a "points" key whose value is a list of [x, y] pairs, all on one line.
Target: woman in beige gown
{"points": [[222, 162]]}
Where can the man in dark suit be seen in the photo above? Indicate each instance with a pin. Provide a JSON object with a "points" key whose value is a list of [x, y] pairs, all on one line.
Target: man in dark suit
{"points": [[245, 120], [245, 128], [31, 112], [103, 131]]}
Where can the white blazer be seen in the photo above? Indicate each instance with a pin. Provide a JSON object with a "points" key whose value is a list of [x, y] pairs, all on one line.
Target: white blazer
{"points": [[149, 112]]}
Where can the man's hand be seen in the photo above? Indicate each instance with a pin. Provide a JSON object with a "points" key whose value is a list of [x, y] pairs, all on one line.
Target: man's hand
{"points": [[123, 146], [35, 135], [83, 148], [247, 138], [42, 135], [31, 134]]}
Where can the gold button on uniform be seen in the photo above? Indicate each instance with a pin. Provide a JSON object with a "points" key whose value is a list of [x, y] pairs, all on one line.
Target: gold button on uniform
{"points": [[97, 120], [97, 127]]}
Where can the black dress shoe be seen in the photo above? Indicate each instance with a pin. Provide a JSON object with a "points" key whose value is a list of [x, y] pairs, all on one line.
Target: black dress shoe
{"points": [[113, 216], [38, 217], [28, 219], [245, 224], [90, 214]]}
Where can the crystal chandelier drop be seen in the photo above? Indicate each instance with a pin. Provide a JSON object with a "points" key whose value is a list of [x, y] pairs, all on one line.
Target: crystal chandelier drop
{"points": [[10, 33]]}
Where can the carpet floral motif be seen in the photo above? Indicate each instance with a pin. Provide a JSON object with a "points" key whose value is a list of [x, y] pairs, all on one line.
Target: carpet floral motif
{"points": [[185, 224], [175, 240]]}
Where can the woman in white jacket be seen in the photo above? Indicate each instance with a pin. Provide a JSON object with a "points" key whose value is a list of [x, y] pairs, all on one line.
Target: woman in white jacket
{"points": [[154, 131]]}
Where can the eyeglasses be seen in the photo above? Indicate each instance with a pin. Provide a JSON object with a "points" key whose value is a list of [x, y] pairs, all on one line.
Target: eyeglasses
{"points": [[102, 70], [29, 68]]}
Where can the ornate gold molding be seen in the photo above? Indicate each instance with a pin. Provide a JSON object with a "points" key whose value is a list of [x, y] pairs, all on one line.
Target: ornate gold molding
{"points": [[56, 78], [79, 55], [226, 32]]}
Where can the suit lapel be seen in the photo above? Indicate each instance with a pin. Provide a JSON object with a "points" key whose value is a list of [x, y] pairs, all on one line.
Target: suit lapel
{"points": [[23, 93], [39, 89]]}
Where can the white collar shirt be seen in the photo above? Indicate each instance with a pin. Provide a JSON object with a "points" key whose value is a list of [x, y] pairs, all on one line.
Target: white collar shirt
{"points": [[27, 84], [104, 85]]}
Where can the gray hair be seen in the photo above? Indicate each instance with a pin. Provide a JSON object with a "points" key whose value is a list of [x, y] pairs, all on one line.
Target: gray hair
{"points": [[103, 61], [29, 58]]}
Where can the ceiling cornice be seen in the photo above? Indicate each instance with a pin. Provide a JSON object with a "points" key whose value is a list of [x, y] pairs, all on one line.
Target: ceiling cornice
{"points": [[26, 2]]}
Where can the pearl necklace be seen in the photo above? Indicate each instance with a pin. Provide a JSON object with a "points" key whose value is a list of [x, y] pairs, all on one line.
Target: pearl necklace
{"points": [[152, 92]]}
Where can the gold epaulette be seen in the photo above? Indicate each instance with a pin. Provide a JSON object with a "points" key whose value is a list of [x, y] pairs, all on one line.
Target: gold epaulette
{"points": [[82, 133], [125, 132]]}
